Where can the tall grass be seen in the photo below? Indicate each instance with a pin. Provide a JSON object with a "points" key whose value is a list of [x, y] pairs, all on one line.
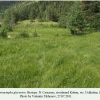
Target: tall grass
{"points": [[50, 60]]}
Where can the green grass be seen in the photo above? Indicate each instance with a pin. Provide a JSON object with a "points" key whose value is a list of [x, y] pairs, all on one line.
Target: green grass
{"points": [[53, 59]]}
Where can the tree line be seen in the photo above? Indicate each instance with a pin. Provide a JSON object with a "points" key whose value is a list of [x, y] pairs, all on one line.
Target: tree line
{"points": [[75, 15]]}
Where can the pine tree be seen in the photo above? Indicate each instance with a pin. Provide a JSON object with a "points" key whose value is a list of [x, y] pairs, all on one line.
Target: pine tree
{"points": [[91, 11], [32, 15], [9, 20], [75, 19]]}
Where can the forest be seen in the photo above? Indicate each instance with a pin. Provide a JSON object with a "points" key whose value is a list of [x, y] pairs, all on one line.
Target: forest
{"points": [[50, 44], [73, 15]]}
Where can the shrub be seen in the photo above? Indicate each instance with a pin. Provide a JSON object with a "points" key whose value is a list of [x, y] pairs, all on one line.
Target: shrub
{"points": [[3, 33], [24, 34], [62, 21], [9, 20], [35, 34], [51, 25], [75, 19]]}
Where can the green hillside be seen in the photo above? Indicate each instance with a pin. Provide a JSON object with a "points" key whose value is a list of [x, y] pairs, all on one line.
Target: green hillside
{"points": [[52, 58], [50, 44]]}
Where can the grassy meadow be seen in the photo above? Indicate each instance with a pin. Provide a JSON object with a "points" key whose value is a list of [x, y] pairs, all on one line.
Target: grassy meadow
{"points": [[53, 58]]}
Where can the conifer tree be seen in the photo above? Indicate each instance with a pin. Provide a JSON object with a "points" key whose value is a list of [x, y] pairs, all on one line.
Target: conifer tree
{"points": [[91, 11], [9, 20], [75, 19]]}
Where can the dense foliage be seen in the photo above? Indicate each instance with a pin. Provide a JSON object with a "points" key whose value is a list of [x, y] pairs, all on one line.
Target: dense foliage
{"points": [[91, 10], [76, 21], [3, 33], [4, 5], [75, 15]]}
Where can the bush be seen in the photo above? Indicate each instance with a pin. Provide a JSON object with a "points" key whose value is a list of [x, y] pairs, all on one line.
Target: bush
{"points": [[3, 33], [35, 34], [62, 21], [9, 20], [76, 32], [24, 34], [75, 19]]}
